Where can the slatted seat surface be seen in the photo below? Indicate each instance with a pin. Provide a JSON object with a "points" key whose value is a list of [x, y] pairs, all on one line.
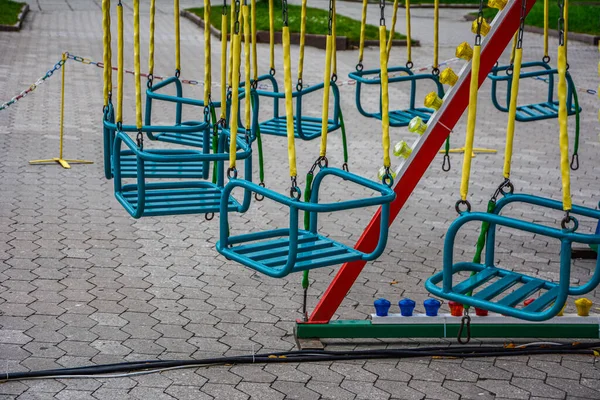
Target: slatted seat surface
{"points": [[194, 139], [535, 112], [162, 200], [311, 127], [314, 251], [501, 289], [187, 170], [403, 117]]}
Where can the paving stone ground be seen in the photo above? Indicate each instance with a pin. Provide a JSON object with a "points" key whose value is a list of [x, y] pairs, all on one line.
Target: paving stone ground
{"points": [[83, 283]]}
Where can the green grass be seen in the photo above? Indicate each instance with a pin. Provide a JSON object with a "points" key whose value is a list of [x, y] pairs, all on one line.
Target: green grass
{"points": [[316, 21], [582, 18], [9, 12]]}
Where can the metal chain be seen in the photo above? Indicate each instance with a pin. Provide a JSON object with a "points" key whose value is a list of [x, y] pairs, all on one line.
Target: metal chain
{"points": [[382, 11], [561, 23], [284, 9], [224, 12], [236, 11], [522, 24], [479, 23], [330, 22]]}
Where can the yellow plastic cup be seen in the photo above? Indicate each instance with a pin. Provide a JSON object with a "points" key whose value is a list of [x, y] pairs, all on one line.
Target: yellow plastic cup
{"points": [[498, 4], [416, 125], [464, 51], [432, 100], [448, 77], [485, 27], [402, 149], [583, 307]]}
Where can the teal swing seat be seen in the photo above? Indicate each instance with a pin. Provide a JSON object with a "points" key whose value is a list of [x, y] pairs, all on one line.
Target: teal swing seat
{"points": [[536, 111], [305, 127], [397, 117], [279, 252], [173, 197], [500, 290]]}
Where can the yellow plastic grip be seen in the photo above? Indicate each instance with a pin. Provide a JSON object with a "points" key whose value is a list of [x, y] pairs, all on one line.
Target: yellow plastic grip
{"points": [[151, 38], [223, 65], [514, 47], [247, 40], [106, 47], [385, 104], [136, 63], [363, 25], [254, 51], [546, 12], [235, 98], [564, 129], [231, 26], [207, 53], [334, 41], [436, 33], [326, 88], [272, 35], [392, 29], [120, 64], [512, 112], [302, 40], [408, 35], [289, 106], [177, 35], [471, 122]]}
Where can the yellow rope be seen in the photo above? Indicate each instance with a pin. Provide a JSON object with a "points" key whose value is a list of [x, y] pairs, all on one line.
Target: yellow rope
{"points": [[512, 112], [254, 51], [436, 33], [223, 65], [546, 22], [247, 40], [392, 28], [385, 115], [326, 88], [177, 36], [120, 63], [302, 40], [408, 35], [106, 47], [136, 63], [271, 35], [235, 96], [151, 39], [289, 106], [363, 24], [207, 54], [471, 121]]}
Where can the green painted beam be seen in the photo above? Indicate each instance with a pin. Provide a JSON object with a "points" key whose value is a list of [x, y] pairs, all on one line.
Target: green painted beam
{"points": [[364, 329]]}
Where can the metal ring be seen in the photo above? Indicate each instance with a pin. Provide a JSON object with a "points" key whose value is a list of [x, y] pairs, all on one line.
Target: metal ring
{"points": [[509, 70], [295, 192], [334, 77], [359, 66], [257, 196], [546, 59], [209, 218], [565, 223], [462, 202], [466, 320], [506, 184], [177, 73], [323, 162], [409, 64], [575, 162], [299, 85], [388, 179], [232, 173], [435, 71], [345, 167], [272, 72]]}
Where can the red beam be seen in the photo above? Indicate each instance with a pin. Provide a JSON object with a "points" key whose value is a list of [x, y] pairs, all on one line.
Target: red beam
{"points": [[455, 103]]}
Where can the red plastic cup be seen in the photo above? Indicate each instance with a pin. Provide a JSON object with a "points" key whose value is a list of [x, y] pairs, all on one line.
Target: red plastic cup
{"points": [[481, 312], [456, 309]]}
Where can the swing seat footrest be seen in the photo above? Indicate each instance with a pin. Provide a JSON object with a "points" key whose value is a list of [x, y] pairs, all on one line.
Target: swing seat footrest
{"points": [[186, 170], [539, 111], [501, 291], [400, 118], [176, 198], [268, 252], [311, 127]]}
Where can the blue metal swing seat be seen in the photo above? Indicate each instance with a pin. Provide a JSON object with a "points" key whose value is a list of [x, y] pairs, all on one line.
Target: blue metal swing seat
{"points": [[305, 127], [536, 111], [397, 117], [501, 290], [173, 197], [279, 252]]}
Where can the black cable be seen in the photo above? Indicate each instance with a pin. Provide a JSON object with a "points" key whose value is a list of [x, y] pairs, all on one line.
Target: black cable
{"points": [[314, 356]]}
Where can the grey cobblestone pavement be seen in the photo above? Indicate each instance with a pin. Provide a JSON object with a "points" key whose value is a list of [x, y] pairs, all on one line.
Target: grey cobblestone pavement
{"points": [[82, 283]]}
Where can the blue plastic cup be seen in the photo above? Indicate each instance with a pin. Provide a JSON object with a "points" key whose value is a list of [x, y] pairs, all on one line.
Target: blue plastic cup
{"points": [[407, 307], [382, 306], [432, 307]]}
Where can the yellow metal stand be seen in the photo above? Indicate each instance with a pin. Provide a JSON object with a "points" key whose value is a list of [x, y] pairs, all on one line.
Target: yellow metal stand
{"points": [[473, 154], [60, 160]]}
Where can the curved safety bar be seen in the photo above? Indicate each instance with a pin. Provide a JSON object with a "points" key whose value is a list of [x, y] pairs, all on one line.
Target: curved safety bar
{"points": [[108, 137], [186, 127]]}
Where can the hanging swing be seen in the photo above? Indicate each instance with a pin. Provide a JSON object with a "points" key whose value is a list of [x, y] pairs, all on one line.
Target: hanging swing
{"points": [[501, 290], [404, 74], [279, 252], [540, 70], [144, 198], [305, 127]]}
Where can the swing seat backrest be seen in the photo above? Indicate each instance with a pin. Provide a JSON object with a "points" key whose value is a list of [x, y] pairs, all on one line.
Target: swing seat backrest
{"points": [[280, 252], [531, 112], [400, 117]]}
